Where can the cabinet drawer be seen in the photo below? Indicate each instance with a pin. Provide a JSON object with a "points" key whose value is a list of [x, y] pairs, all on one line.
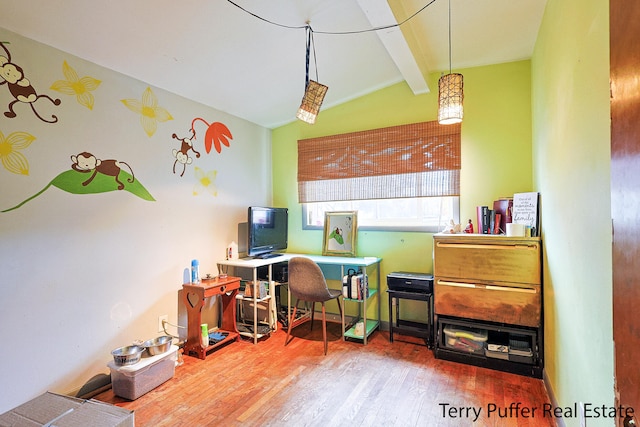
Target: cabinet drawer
{"points": [[491, 260], [512, 304]]}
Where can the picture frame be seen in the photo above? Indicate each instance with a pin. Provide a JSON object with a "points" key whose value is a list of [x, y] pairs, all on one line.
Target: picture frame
{"points": [[340, 233]]}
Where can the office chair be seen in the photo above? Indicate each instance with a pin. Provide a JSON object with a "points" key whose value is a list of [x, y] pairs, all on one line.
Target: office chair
{"points": [[307, 283]]}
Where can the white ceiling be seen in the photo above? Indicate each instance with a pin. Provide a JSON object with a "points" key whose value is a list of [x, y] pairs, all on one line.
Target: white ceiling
{"points": [[212, 52]]}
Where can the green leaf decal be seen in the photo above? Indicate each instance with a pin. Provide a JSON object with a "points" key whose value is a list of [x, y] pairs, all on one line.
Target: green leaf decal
{"points": [[71, 182]]}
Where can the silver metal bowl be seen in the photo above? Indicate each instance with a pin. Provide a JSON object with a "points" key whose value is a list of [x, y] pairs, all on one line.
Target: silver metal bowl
{"points": [[158, 345], [127, 355]]}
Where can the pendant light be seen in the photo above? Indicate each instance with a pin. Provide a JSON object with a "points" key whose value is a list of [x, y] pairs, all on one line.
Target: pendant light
{"points": [[450, 94], [314, 92]]}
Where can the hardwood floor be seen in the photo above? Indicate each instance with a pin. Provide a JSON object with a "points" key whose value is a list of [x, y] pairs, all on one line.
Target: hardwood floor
{"points": [[380, 384]]}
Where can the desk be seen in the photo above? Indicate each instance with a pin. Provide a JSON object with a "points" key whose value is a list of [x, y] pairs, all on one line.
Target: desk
{"points": [[194, 297], [367, 264], [254, 264]]}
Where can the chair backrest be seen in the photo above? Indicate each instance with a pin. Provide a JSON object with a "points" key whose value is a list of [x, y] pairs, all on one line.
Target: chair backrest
{"points": [[306, 281]]}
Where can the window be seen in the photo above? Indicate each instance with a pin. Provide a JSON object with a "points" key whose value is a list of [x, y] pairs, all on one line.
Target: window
{"points": [[428, 214], [400, 177]]}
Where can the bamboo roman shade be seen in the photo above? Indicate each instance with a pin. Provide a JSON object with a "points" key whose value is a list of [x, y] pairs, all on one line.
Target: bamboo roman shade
{"points": [[415, 160]]}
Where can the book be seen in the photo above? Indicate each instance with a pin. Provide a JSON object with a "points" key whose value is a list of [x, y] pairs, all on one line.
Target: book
{"points": [[359, 286], [492, 221], [504, 206], [496, 224], [479, 217], [486, 219]]}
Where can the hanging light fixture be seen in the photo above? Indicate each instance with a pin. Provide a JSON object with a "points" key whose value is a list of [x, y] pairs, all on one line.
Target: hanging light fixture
{"points": [[314, 92], [450, 93]]}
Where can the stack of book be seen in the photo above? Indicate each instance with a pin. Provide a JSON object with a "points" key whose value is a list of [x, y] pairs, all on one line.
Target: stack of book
{"points": [[493, 220]]}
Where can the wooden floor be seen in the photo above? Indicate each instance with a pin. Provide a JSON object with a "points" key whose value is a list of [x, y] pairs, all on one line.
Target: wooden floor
{"points": [[380, 384]]}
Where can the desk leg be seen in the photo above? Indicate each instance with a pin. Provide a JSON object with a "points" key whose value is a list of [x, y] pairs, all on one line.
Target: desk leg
{"points": [[273, 306], [255, 306]]}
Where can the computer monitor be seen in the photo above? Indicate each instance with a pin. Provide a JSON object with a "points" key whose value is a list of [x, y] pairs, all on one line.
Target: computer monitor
{"points": [[267, 231]]}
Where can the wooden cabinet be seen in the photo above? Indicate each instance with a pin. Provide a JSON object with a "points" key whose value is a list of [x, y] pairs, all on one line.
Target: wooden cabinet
{"points": [[490, 285]]}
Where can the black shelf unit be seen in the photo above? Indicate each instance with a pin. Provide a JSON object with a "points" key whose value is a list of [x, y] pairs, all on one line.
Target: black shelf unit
{"points": [[497, 334], [401, 326]]}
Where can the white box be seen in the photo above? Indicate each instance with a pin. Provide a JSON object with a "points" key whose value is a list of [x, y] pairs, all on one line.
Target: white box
{"points": [[133, 381], [65, 411]]}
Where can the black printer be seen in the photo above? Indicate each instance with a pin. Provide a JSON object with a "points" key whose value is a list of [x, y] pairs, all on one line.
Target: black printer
{"points": [[410, 282]]}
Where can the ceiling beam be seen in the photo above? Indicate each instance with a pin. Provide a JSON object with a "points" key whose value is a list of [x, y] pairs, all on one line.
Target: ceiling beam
{"points": [[379, 14]]}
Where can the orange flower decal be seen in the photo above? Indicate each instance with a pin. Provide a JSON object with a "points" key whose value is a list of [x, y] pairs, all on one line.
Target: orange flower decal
{"points": [[217, 134]]}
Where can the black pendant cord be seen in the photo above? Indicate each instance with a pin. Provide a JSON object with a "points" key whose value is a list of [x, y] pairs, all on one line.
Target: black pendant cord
{"points": [[308, 30], [449, 36], [310, 44], [383, 27]]}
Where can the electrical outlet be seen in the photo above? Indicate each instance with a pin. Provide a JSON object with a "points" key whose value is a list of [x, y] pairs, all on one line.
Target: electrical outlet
{"points": [[583, 420], [162, 318]]}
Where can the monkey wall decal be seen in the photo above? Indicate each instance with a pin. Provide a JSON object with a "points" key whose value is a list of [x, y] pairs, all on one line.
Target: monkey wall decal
{"points": [[88, 163], [216, 135], [182, 155], [20, 88]]}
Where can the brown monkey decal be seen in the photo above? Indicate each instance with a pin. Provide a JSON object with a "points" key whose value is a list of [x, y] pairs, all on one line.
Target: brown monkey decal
{"points": [[87, 162], [182, 155], [20, 87]]}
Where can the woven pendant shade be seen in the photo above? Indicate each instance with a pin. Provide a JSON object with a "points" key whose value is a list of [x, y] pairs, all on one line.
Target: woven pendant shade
{"points": [[450, 96], [311, 102]]}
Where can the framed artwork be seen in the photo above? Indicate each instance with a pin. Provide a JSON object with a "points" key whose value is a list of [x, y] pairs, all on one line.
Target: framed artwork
{"points": [[340, 233]]}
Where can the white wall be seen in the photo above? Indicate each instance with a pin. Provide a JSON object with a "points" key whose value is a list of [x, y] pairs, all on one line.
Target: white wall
{"points": [[82, 274]]}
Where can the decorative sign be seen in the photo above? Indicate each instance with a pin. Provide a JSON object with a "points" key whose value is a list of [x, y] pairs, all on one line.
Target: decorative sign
{"points": [[525, 211]]}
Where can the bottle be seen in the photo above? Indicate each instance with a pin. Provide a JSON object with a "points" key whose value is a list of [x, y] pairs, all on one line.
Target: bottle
{"points": [[195, 271], [204, 334], [232, 251]]}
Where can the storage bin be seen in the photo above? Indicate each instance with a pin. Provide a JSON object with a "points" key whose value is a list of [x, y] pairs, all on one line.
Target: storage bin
{"points": [[497, 351], [133, 381], [468, 340]]}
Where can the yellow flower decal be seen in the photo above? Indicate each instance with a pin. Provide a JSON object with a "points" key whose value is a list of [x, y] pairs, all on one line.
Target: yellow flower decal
{"points": [[206, 182], [150, 112], [80, 87], [11, 158]]}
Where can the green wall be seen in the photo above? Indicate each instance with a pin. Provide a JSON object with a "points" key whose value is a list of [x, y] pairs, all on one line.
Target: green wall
{"points": [[496, 154], [571, 134]]}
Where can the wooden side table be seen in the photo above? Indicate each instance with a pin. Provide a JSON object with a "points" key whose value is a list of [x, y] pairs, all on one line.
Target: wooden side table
{"points": [[194, 297]]}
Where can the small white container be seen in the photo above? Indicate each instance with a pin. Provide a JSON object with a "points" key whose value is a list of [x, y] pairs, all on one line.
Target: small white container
{"points": [[515, 230], [232, 251]]}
